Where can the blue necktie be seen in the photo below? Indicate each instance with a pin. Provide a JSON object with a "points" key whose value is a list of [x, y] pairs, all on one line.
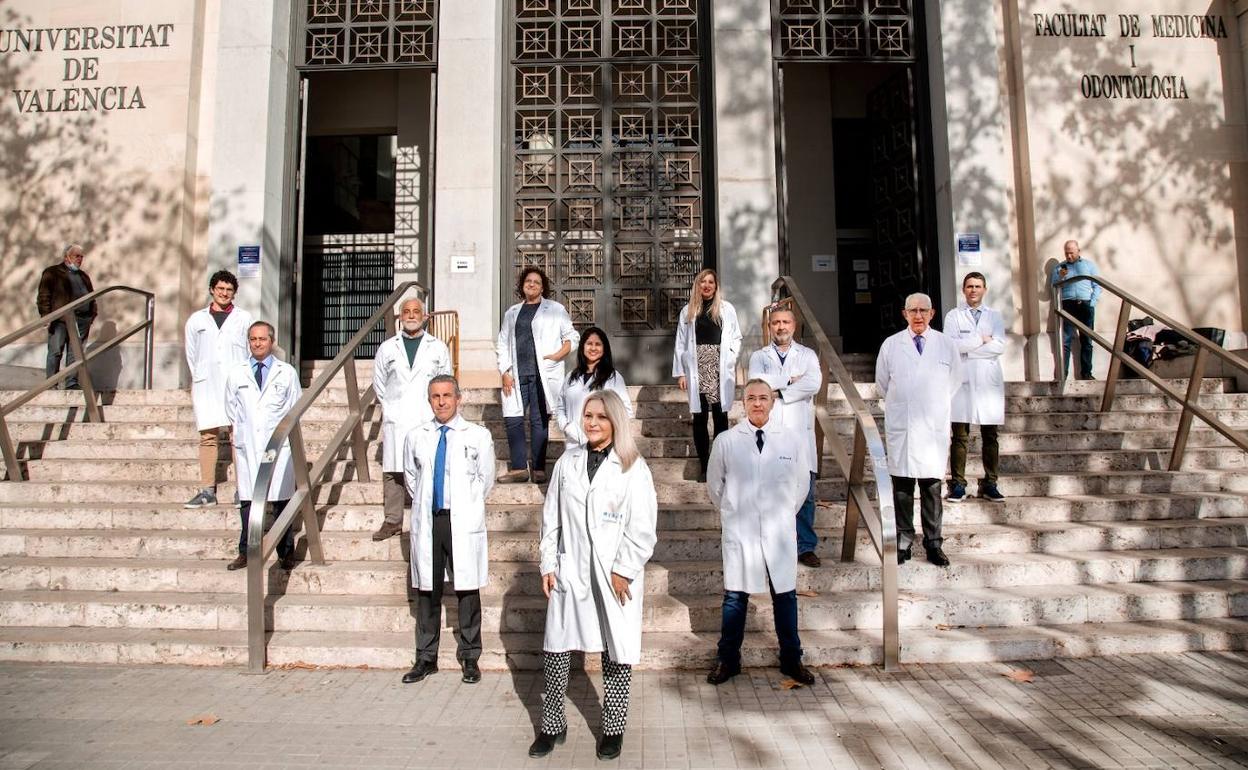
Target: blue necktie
{"points": [[259, 374], [975, 314], [918, 343], [439, 469]]}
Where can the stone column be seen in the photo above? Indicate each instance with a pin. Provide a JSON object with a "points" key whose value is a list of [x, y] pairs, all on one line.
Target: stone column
{"points": [[252, 131], [745, 156], [468, 191]]}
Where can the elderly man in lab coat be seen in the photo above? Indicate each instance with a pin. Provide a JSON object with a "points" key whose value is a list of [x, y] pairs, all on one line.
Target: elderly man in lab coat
{"points": [[918, 370], [258, 394], [402, 369], [979, 333], [216, 342], [792, 370], [756, 477], [450, 470]]}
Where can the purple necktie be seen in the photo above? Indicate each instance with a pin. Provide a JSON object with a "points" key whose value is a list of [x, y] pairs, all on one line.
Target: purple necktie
{"points": [[918, 343]]}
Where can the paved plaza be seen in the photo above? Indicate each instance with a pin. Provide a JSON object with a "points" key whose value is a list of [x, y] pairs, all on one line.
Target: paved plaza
{"points": [[1187, 710]]}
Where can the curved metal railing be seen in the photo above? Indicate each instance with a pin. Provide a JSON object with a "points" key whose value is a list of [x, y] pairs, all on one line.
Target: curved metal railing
{"points": [[1189, 399], [868, 446], [261, 544], [79, 366]]}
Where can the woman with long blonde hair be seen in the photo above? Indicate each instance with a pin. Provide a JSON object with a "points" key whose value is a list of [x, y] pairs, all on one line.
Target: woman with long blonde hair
{"points": [[598, 531], [708, 340]]}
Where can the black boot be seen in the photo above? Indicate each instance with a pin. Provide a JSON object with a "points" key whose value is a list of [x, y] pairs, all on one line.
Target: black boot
{"points": [[609, 746], [545, 743]]}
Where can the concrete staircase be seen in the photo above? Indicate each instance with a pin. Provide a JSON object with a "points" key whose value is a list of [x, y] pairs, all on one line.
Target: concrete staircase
{"points": [[1097, 550]]}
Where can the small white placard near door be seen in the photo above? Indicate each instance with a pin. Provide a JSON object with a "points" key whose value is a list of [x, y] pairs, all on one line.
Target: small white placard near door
{"points": [[463, 263], [823, 263]]}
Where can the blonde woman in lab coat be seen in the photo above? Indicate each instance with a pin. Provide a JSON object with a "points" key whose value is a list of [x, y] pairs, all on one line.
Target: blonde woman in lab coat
{"points": [[598, 532]]}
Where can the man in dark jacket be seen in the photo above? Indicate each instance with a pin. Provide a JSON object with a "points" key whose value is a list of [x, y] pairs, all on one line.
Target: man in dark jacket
{"points": [[60, 285]]}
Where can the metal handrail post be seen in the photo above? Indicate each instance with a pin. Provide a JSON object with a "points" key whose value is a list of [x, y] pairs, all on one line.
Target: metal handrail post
{"points": [[1185, 419], [94, 413], [359, 448], [311, 527], [12, 467], [1115, 360], [149, 344], [256, 554], [1059, 338]]}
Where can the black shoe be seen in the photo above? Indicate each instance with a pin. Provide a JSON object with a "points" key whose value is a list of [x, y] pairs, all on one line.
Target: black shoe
{"points": [[422, 669], [287, 562], [937, 556], [472, 673], [722, 673], [239, 562], [609, 746], [810, 559], [903, 555], [545, 743], [798, 673]]}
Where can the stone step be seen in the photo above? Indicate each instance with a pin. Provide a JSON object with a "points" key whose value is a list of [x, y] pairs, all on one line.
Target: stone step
{"points": [[678, 651]]}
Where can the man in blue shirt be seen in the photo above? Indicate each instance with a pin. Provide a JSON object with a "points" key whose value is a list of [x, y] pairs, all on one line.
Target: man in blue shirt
{"points": [[1079, 299]]}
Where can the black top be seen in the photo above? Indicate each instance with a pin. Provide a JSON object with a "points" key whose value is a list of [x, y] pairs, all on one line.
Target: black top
{"points": [[78, 288], [220, 315], [596, 456], [705, 330], [526, 353], [411, 345]]}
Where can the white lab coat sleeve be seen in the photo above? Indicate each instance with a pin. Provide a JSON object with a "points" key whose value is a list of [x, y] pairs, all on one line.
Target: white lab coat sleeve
{"points": [[881, 369], [192, 348], [732, 332], [639, 534], [485, 462], [682, 340], [548, 546], [442, 364], [805, 386], [293, 394], [233, 408], [621, 389], [758, 371], [411, 469], [997, 346], [504, 343], [967, 345], [717, 469], [562, 419], [956, 375], [567, 332], [381, 373]]}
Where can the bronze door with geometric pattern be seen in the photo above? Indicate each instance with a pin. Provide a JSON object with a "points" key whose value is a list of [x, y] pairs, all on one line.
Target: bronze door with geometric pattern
{"points": [[607, 185]]}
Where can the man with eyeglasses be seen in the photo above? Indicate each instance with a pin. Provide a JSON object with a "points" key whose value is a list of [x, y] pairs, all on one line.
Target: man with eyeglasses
{"points": [[60, 285], [918, 370]]}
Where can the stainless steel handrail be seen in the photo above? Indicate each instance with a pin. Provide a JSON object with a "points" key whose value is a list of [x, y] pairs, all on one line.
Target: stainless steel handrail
{"points": [[868, 445], [260, 545], [1189, 399], [79, 366]]}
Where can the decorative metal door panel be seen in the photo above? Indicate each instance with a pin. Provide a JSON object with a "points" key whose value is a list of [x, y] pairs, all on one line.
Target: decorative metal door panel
{"points": [[607, 183], [369, 33], [844, 30], [346, 283], [895, 194]]}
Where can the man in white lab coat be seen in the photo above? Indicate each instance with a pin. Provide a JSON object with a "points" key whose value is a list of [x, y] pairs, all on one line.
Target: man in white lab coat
{"points": [[979, 333], [450, 469], [216, 342], [402, 368], [258, 394], [756, 477], [792, 370], [918, 370]]}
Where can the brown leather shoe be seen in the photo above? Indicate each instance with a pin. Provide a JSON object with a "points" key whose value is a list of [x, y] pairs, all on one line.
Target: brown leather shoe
{"points": [[239, 562], [388, 530], [810, 559], [514, 477], [539, 477]]}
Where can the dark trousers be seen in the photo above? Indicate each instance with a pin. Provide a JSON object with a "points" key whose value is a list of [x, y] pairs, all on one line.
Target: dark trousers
{"points": [[285, 547], [732, 633], [957, 452], [930, 512], [533, 396], [701, 442], [429, 603], [807, 540], [58, 346], [1084, 312]]}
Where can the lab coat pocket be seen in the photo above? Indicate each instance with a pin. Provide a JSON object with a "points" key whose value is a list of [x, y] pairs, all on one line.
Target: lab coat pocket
{"points": [[734, 561]]}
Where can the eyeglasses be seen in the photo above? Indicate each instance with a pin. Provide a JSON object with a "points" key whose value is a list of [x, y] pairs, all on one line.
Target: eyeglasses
{"points": [[913, 310]]}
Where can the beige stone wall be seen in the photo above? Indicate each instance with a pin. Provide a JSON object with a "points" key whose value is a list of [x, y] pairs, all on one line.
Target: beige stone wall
{"points": [[1147, 185], [122, 182]]}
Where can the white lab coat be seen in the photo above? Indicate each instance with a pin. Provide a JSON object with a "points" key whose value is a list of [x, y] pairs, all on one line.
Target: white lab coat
{"points": [[758, 494], [210, 355], [981, 399], [918, 397], [685, 356], [590, 530], [552, 326], [572, 399], [403, 391], [254, 413], [795, 409], [469, 477]]}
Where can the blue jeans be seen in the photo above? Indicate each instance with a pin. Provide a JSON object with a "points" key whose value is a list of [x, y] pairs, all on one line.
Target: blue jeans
{"points": [[58, 347], [533, 396], [1086, 313], [732, 634], [806, 537]]}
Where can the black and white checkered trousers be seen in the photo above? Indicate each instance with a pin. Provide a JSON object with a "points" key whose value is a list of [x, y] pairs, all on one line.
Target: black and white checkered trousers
{"points": [[616, 681]]}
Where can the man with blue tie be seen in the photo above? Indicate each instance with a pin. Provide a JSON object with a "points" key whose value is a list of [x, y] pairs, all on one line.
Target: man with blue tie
{"points": [[449, 467]]}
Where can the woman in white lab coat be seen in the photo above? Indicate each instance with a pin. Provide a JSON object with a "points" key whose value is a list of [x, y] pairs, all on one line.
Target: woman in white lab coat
{"points": [[595, 370], [536, 336], [598, 532], [708, 340]]}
